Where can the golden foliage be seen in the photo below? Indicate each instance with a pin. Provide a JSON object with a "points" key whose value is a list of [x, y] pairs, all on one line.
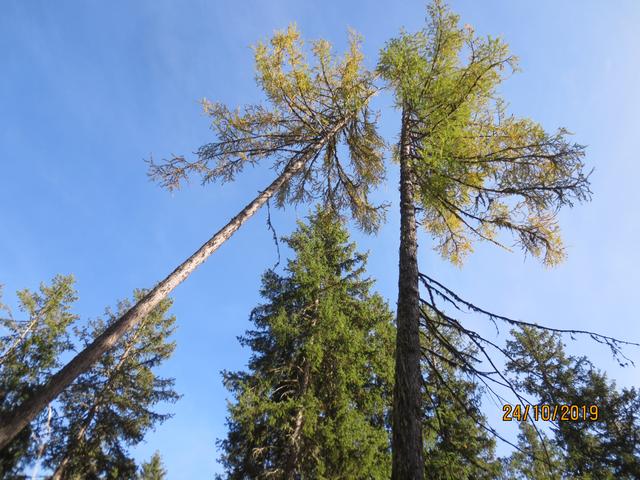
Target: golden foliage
{"points": [[478, 169]]}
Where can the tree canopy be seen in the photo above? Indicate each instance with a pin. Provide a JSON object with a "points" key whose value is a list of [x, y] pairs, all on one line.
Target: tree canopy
{"points": [[315, 102], [606, 448], [333, 388], [88, 431], [478, 169], [315, 399], [153, 469]]}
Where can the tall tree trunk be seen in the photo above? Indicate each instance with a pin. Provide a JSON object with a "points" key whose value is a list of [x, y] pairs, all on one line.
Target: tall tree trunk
{"points": [[79, 438], [406, 417], [15, 421]]}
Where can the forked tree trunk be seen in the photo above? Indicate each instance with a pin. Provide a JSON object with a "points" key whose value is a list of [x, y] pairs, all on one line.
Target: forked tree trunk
{"points": [[16, 420], [407, 463]]}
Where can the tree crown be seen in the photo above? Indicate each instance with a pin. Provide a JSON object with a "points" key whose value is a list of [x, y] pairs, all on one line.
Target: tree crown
{"points": [[478, 170], [315, 399], [317, 110]]}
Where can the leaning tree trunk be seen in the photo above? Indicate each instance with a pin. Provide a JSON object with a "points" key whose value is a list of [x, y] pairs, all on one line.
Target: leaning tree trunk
{"points": [[407, 461], [16, 420], [79, 438]]}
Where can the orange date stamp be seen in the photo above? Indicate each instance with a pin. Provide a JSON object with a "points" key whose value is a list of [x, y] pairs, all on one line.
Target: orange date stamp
{"points": [[550, 413]]}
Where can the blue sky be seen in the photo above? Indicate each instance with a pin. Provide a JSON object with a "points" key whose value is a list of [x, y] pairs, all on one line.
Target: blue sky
{"points": [[88, 90]]}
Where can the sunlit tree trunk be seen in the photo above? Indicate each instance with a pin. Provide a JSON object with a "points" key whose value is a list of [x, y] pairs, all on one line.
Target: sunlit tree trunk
{"points": [[13, 423], [79, 437], [407, 418]]}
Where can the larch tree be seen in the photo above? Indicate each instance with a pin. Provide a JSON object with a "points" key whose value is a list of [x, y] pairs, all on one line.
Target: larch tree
{"points": [[312, 107], [111, 407], [315, 401], [468, 171]]}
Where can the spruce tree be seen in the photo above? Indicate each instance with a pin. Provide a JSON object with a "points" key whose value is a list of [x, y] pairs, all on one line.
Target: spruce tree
{"points": [[314, 401], [111, 407], [605, 449], [85, 433], [153, 469], [537, 457], [455, 444], [468, 171], [30, 350]]}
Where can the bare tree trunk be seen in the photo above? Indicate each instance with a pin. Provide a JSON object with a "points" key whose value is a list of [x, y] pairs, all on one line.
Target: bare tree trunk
{"points": [[407, 463], [79, 438], [15, 421]]}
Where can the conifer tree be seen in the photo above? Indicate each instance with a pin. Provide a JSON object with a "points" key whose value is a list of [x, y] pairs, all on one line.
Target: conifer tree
{"points": [[30, 351], [537, 457], [153, 469], [455, 445], [471, 171], [605, 449], [111, 407], [312, 108], [314, 402], [86, 433]]}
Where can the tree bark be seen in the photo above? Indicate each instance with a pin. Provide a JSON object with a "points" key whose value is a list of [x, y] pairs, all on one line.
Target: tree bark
{"points": [[407, 461], [78, 438], [16, 420]]}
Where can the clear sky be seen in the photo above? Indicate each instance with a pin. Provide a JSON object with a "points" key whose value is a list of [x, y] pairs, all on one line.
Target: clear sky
{"points": [[90, 89]]}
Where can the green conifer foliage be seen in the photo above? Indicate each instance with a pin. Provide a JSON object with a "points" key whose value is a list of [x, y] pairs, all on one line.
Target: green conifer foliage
{"points": [[538, 457], [604, 449], [30, 351], [455, 444], [314, 402], [153, 469], [87, 431], [111, 407]]}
